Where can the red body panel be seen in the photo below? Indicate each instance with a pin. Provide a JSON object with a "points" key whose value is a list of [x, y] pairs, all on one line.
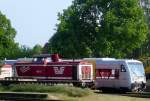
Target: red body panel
{"points": [[59, 71], [30, 70], [107, 73], [52, 72]]}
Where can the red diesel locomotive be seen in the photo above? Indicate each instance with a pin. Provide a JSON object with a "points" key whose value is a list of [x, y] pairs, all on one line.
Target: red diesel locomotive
{"points": [[48, 68]]}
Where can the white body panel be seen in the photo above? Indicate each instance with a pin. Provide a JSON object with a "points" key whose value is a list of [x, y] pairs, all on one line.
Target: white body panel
{"points": [[6, 72], [7, 69]]}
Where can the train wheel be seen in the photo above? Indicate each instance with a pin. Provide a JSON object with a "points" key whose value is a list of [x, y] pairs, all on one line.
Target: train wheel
{"points": [[105, 90], [5, 84], [76, 84]]}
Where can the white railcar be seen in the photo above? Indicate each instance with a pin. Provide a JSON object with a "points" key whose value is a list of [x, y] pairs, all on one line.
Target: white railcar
{"points": [[126, 75]]}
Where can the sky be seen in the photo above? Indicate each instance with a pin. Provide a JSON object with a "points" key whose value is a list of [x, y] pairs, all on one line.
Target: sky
{"points": [[34, 20]]}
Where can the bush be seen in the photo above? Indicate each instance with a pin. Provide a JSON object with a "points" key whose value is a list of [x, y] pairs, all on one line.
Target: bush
{"points": [[70, 91]]}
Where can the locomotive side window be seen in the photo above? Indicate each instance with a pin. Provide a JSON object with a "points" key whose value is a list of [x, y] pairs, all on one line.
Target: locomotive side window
{"points": [[123, 69], [48, 59]]}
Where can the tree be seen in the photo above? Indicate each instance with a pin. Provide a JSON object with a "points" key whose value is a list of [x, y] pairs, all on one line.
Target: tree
{"points": [[37, 49], [25, 51], [96, 28], [146, 6], [8, 47], [7, 35], [46, 49]]}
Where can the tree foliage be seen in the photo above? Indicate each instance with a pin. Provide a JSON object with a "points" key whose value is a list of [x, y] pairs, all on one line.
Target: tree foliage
{"points": [[7, 35], [96, 28], [37, 49], [25, 51], [8, 47], [146, 6]]}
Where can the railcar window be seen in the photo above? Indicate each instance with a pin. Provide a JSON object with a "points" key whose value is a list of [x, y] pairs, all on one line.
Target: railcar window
{"points": [[136, 68], [123, 69]]}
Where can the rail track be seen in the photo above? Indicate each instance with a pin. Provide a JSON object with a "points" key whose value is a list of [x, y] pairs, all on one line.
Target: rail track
{"points": [[45, 82], [48, 82], [139, 95]]}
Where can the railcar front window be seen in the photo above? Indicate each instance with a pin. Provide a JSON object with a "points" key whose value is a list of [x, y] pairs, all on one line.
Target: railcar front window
{"points": [[136, 68]]}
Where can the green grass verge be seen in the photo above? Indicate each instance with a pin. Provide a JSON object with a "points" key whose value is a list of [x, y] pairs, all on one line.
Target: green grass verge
{"points": [[69, 90], [68, 93]]}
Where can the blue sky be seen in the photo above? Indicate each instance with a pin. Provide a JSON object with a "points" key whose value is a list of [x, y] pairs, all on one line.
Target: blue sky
{"points": [[34, 20]]}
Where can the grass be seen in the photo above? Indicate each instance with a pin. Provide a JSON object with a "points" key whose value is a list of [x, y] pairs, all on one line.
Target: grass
{"points": [[68, 90], [112, 97], [100, 97], [107, 97], [69, 93]]}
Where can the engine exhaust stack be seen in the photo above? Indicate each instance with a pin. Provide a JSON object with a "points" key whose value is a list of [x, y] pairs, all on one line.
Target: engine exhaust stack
{"points": [[55, 57]]}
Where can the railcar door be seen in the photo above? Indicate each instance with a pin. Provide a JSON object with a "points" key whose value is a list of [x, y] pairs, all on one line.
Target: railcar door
{"points": [[85, 72], [74, 72]]}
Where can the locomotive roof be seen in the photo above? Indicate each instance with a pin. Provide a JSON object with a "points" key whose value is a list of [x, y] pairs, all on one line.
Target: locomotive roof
{"points": [[10, 62], [53, 63]]}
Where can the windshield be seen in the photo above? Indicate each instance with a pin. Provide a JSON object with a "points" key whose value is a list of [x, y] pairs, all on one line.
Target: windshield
{"points": [[136, 68]]}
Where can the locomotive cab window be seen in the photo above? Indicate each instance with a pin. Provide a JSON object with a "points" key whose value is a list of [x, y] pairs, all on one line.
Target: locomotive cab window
{"points": [[39, 59], [48, 59], [35, 60], [123, 69]]}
